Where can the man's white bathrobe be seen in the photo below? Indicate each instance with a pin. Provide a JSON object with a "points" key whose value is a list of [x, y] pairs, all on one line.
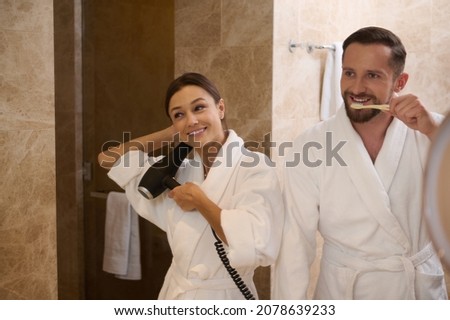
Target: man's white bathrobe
{"points": [[376, 245], [245, 186]]}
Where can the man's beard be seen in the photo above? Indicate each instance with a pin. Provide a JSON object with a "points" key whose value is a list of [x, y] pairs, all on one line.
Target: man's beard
{"points": [[360, 115]]}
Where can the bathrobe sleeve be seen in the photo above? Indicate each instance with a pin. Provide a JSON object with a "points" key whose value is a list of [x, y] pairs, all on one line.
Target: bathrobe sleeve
{"points": [[290, 274], [252, 218], [127, 173]]}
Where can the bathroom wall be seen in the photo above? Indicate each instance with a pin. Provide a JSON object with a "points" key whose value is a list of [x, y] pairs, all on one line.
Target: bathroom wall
{"points": [[422, 25], [230, 41], [27, 139]]}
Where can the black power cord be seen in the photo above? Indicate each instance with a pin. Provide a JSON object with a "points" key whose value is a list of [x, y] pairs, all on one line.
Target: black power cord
{"points": [[233, 273]]}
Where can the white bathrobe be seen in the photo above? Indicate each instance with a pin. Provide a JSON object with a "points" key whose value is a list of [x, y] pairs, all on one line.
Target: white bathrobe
{"points": [[376, 245], [245, 185]]}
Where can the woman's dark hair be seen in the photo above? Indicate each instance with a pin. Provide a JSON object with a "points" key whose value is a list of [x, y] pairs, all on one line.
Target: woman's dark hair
{"points": [[377, 35], [195, 79]]}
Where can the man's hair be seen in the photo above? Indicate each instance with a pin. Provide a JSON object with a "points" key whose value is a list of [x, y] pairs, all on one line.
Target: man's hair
{"points": [[377, 35]]}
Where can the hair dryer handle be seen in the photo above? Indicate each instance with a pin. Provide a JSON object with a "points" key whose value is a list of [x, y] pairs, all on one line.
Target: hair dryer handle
{"points": [[170, 182]]}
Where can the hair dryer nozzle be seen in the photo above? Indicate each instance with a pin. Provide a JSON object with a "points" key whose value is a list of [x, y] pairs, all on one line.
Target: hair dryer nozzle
{"points": [[143, 190]]}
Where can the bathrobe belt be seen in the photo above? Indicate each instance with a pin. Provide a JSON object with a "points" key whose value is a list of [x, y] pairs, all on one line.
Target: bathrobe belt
{"points": [[393, 264], [187, 284]]}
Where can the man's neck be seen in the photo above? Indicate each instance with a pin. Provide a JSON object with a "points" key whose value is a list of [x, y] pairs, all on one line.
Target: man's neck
{"points": [[373, 132]]}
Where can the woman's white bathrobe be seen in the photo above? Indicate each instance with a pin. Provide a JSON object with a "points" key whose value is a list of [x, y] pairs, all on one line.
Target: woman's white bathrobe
{"points": [[245, 185], [376, 245]]}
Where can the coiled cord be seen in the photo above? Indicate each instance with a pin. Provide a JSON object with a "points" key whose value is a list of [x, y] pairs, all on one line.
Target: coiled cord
{"points": [[232, 272]]}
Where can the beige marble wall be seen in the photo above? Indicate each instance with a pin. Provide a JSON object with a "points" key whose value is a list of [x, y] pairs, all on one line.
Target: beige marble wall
{"points": [[27, 160], [423, 26]]}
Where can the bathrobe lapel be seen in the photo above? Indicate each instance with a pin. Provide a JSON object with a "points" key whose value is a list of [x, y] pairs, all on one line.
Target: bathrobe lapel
{"points": [[224, 166], [194, 225], [373, 182], [389, 156]]}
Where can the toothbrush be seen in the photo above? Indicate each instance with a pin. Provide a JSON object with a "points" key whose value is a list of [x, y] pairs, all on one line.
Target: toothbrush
{"points": [[384, 107]]}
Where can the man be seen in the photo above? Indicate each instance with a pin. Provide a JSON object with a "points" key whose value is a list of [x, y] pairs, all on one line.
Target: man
{"points": [[359, 185]]}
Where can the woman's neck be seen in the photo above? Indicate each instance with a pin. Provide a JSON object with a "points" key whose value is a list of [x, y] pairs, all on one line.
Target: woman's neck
{"points": [[209, 151]]}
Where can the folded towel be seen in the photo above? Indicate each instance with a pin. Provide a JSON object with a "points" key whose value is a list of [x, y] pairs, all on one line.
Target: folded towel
{"points": [[122, 247], [331, 84]]}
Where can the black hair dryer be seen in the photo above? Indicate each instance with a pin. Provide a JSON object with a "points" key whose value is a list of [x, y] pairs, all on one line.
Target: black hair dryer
{"points": [[160, 175]]}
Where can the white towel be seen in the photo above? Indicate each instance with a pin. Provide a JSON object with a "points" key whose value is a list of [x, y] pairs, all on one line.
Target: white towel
{"points": [[331, 87], [122, 247]]}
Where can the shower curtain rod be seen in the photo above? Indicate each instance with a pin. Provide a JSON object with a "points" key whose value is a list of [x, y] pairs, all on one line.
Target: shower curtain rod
{"points": [[309, 46]]}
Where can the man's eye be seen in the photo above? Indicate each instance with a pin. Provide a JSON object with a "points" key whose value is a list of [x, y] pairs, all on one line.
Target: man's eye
{"points": [[348, 73]]}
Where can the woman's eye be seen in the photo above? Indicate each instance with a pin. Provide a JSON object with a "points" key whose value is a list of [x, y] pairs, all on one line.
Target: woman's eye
{"points": [[177, 115], [199, 107]]}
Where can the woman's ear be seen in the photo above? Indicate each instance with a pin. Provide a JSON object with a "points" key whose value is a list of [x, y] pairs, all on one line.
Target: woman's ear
{"points": [[401, 82], [221, 108]]}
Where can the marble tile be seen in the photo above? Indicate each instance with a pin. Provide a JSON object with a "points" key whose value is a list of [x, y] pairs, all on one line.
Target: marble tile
{"points": [[242, 74], [247, 23], [27, 15], [297, 83], [440, 27], [252, 131], [285, 22], [27, 80], [432, 89], [28, 219], [414, 29], [197, 23], [27, 138]]}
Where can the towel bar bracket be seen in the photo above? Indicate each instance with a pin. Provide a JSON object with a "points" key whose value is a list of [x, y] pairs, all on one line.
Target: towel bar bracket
{"points": [[309, 47]]}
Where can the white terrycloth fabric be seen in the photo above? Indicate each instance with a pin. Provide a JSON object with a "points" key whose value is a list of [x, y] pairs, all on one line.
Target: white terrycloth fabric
{"points": [[122, 247], [331, 83]]}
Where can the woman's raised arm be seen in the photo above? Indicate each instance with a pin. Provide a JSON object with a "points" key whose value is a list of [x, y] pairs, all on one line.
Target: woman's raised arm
{"points": [[154, 140]]}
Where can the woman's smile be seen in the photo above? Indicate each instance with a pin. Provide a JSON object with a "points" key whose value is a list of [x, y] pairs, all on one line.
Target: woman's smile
{"points": [[196, 132]]}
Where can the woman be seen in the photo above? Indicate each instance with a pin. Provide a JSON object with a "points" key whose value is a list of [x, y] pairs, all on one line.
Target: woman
{"points": [[224, 187]]}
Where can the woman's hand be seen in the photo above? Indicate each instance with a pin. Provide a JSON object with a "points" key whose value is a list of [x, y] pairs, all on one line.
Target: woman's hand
{"points": [[190, 196], [187, 196]]}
